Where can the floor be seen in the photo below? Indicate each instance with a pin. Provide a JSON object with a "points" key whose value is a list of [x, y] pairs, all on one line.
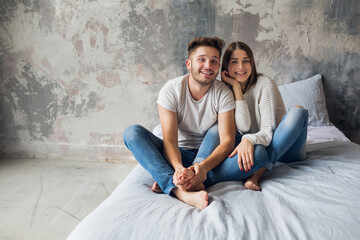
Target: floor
{"points": [[46, 199]]}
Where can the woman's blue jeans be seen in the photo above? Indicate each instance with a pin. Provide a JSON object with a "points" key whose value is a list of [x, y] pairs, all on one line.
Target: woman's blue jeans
{"points": [[287, 145]]}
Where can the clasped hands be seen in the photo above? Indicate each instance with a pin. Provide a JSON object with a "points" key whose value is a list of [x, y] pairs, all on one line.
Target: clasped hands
{"points": [[191, 178]]}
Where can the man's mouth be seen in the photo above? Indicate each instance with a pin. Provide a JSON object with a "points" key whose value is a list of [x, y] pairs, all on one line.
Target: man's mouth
{"points": [[208, 73]]}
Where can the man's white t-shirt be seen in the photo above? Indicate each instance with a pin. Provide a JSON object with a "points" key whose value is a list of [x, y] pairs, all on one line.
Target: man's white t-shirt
{"points": [[194, 117]]}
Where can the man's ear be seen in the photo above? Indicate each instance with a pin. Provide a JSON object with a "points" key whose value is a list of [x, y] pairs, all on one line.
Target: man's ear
{"points": [[188, 64]]}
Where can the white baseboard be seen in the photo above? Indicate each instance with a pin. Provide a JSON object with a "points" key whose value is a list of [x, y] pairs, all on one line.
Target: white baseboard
{"points": [[68, 151]]}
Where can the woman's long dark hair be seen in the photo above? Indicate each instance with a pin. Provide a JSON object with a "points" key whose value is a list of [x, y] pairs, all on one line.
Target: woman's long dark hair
{"points": [[227, 56]]}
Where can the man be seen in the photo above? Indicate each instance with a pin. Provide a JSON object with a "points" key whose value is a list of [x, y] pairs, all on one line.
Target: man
{"points": [[188, 107]]}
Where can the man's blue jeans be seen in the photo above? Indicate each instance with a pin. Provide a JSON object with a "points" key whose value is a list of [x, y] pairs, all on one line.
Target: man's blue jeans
{"points": [[287, 145], [148, 151]]}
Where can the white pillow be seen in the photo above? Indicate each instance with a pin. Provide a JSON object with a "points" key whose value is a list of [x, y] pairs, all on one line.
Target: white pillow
{"points": [[308, 93]]}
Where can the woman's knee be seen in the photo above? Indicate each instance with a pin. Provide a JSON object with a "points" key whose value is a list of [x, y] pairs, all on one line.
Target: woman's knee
{"points": [[297, 115], [260, 155], [213, 133], [214, 130]]}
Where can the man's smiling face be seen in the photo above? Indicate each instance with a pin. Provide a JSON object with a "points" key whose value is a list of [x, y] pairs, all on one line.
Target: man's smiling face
{"points": [[204, 64]]}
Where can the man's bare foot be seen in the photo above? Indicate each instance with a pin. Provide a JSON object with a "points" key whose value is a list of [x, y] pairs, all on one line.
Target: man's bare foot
{"points": [[156, 188], [252, 182], [197, 199]]}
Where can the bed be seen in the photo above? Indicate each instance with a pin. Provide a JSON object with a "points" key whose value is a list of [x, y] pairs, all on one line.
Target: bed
{"points": [[318, 198]]}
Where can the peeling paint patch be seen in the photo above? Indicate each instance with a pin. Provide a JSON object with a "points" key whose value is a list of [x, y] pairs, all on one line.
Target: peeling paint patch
{"points": [[343, 17], [35, 98], [44, 8], [246, 27]]}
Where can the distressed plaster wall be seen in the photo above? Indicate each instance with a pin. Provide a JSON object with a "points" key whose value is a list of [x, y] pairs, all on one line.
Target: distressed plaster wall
{"points": [[74, 74]]}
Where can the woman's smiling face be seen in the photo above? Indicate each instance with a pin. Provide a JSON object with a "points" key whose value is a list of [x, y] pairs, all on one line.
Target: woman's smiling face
{"points": [[239, 66]]}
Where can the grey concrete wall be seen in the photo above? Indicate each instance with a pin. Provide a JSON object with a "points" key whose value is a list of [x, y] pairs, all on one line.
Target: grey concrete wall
{"points": [[74, 74]]}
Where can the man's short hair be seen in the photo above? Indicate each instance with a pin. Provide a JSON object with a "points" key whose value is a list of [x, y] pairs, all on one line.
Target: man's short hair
{"points": [[214, 42]]}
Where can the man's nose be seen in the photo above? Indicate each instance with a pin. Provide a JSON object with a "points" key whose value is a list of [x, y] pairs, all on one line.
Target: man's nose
{"points": [[207, 63]]}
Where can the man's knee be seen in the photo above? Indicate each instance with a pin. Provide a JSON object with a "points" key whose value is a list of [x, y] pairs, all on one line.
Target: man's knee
{"points": [[132, 132]]}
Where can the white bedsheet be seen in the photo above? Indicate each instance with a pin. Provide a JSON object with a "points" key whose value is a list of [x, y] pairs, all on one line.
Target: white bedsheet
{"points": [[318, 198]]}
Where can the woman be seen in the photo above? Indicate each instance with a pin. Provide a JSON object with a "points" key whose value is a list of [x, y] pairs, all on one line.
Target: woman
{"points": [[260, 116]]}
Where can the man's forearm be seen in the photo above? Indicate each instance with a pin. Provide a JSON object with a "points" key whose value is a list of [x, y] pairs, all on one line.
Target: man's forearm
{"points": [[172, 154]]}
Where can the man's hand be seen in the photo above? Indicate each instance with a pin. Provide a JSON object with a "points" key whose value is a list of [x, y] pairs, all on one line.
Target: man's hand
{"points": [[200, 175], [182, 178], [245, 151]]}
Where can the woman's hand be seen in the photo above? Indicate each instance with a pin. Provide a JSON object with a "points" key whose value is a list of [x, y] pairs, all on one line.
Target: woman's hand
{"points": [[245, 151], [236, 86], [227, 79]]}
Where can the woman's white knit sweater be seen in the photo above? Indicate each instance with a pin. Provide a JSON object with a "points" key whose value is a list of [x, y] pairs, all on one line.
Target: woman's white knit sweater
{"points": [[261, 112]]}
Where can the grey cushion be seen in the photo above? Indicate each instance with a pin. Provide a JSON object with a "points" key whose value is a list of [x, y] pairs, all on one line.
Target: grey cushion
{"points": [[308, 93]]}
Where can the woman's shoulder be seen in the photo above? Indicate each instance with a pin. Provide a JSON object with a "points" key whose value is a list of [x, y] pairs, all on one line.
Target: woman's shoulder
{"points": [[264, 84], [265, 80]]}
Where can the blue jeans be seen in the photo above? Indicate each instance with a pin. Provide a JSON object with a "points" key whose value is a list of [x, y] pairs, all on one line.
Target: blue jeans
{"points": [[287, 145], [289, 139], [149, 152], [229, 169]]}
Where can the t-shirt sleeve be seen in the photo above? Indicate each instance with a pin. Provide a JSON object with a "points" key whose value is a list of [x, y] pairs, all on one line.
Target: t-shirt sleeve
{"points": [[167, 97], [226, 101]]}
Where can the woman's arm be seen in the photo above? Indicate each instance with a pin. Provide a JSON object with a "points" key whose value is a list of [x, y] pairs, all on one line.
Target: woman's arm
{"points": [[267, 108], [242, 115]]}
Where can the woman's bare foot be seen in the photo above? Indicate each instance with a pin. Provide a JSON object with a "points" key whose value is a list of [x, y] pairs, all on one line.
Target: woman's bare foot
{"points": [[156, 188], [196, 199], [252, 182]]}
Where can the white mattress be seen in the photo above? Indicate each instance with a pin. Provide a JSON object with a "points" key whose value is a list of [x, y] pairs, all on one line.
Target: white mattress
{"points": [[313, 199], [318, 134]]}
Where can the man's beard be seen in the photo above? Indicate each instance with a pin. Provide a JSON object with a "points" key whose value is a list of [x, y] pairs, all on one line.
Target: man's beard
{"points": [[196, 76]]}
